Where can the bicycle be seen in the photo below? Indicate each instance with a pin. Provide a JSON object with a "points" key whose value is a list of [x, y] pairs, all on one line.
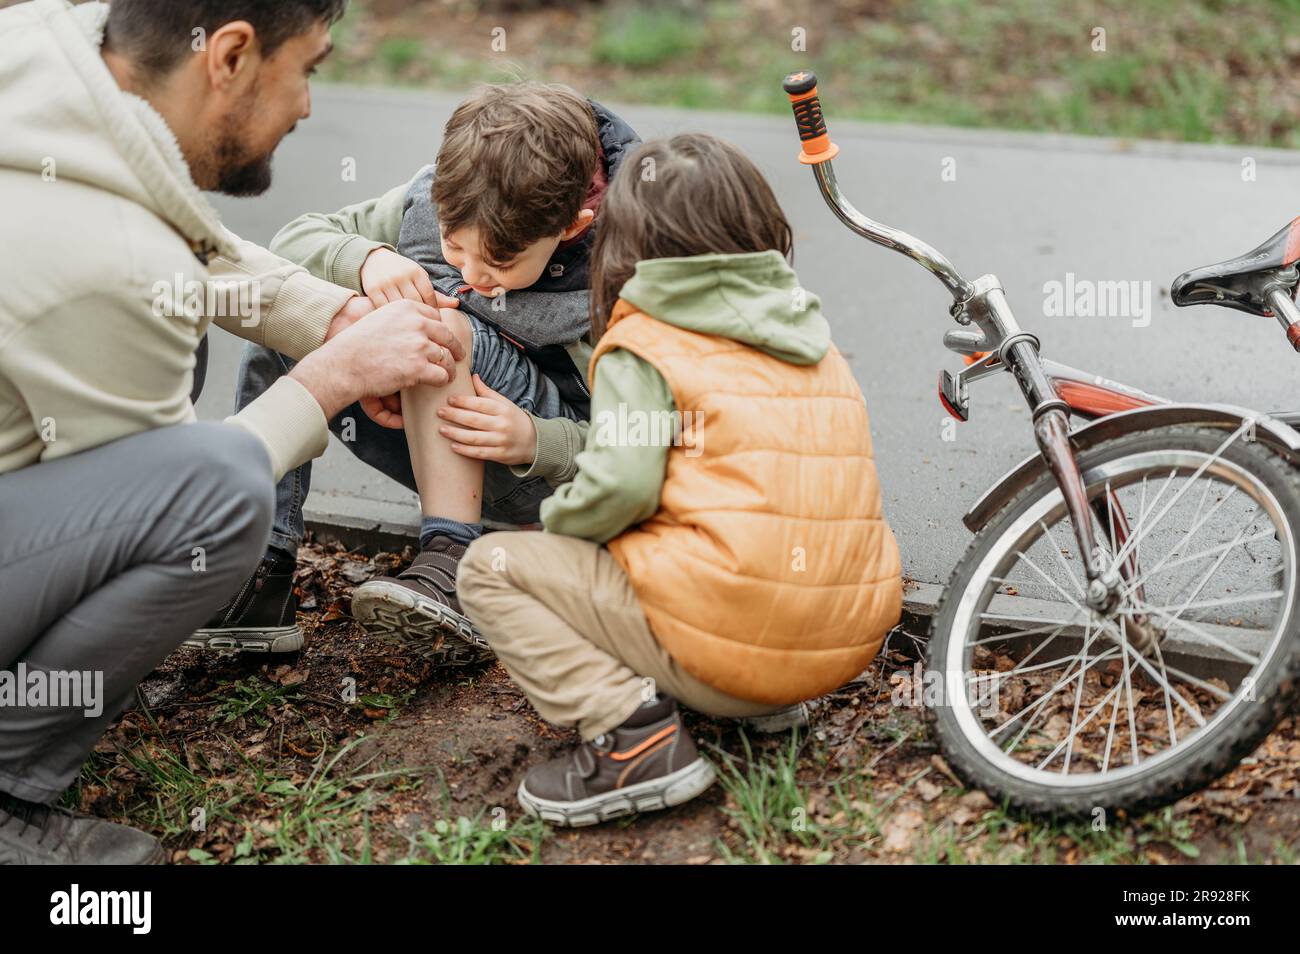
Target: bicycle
{"points": [[1122, 629]]}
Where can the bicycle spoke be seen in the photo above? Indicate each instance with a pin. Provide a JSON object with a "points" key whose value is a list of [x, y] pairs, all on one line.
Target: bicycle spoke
{"points": [[1051, 755], [1217, 563], [1202, 634], [1061, 559], [1074, 715], [1230, 600], [1187, 707], [1169, 709], [1020, 634], [1183, 542], [1081, 693], [1191, 558], [1065, 680], [1196, 475], [1201, 684]]}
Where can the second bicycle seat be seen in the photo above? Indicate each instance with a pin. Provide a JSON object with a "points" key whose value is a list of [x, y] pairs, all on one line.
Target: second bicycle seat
{"points": [[1234, 283]]}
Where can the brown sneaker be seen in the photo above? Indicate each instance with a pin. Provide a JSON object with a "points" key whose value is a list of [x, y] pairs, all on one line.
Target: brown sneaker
{"points": [[647, 763], [418, 608]]}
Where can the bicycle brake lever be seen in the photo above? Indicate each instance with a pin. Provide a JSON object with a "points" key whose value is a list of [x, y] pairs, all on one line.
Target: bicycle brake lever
{"points": [[966, 342]]}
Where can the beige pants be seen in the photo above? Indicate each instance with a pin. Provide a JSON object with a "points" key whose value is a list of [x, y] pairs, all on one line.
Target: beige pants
{"points": [[562, 617]]}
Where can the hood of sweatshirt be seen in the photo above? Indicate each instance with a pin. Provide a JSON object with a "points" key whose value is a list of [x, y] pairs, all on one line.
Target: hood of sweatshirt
{"points": [[63, 115], [753, 298]]}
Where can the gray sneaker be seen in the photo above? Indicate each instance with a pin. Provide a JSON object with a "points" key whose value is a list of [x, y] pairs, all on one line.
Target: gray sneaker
{"points": [[782, 720], [33, 834]]}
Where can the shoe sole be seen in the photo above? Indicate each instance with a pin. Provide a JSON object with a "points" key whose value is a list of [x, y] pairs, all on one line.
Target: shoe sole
{"points": [[785, 720], [276, 639], [653, 795], [401, 618]]}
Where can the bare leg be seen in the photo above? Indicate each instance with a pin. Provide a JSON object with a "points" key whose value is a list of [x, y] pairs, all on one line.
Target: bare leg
{"points": [[450, 486]]}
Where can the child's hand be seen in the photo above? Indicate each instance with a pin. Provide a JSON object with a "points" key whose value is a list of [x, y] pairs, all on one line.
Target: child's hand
{"points": [[387, 276], [385, 411], [491, 427]]}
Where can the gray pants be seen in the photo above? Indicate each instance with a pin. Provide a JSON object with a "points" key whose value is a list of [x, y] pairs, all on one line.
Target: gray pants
{"points": [[109, 559]]}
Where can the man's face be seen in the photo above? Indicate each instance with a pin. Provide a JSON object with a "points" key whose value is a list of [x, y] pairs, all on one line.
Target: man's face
{"points": [[463, 249], [265, 110]]}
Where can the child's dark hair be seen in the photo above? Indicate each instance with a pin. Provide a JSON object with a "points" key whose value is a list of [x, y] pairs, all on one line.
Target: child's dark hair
{"points": [[516, 163], [693, 194]]}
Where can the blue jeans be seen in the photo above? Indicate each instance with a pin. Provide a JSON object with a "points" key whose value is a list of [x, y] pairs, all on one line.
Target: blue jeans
{"points": [[502, 365]]}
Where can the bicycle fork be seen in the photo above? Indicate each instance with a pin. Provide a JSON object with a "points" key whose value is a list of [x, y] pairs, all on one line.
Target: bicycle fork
{"points": [[1017, 351]]}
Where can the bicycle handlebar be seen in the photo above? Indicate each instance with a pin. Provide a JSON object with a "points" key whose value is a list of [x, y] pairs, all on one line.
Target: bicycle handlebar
{"points": [[817, 152], [801, 87]]}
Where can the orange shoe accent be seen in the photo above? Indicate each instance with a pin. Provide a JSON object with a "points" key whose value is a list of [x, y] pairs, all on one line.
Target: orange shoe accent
{"points": [[631, 766], [972, 358], [632, 752]]}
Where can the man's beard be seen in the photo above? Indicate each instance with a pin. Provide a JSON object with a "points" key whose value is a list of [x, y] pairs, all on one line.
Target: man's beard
{"points": [[238, 173]]}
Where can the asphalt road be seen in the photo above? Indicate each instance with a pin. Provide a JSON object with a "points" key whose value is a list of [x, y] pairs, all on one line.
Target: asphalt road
{"points": [[1029, 208]]}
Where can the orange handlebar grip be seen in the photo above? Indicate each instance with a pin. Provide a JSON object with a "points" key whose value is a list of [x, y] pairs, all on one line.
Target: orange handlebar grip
{"points": [[801, 87]]}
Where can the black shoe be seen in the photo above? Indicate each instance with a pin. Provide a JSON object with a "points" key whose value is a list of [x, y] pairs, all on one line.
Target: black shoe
{"points": [[647, 763], [262, 618], [32, 834], [418, 608]]}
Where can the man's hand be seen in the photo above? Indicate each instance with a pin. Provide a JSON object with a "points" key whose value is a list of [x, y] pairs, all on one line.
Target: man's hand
{"points": [[387, 410], [401, 345], [387, 276], [489, 427], [353, 310]]}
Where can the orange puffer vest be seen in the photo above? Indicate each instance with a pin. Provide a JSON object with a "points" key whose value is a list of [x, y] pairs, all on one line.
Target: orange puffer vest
{"points": [[769, 571]]}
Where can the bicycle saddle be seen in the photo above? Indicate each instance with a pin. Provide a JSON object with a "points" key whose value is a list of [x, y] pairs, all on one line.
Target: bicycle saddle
{"points": [[1232, 283]]}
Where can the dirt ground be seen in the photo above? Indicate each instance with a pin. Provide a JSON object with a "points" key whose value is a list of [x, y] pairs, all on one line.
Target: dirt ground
{"points": [[286, 759]]}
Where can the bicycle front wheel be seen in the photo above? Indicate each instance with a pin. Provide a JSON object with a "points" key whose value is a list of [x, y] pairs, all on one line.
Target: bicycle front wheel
{"points": [[1063, 710]]}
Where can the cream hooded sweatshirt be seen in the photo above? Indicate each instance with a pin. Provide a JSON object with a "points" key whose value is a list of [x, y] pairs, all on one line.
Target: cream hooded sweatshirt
{"points": [[104, 294]]}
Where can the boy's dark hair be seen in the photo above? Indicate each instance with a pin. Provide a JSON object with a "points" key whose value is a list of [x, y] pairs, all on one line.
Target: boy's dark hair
{"points": [[693, 194], [516, 163], [156, 34]]}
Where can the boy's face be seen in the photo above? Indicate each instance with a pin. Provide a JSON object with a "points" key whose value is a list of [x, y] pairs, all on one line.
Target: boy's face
{"points": [[463, 250]]}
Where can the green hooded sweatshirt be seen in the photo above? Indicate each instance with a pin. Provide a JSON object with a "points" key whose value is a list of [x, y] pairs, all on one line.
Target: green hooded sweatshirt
{"points": [[752, 298]]}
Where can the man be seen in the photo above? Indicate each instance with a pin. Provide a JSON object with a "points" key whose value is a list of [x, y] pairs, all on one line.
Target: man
{"points": [[123, 523]]}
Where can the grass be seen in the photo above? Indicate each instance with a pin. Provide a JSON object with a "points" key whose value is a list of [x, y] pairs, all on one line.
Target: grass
{"points": [[230, 765], [279, 819], [785, 802], [640, 38], [251, 698], [1197, 70], [399, 52], [772, 820], [478, 841], [768, 807]]}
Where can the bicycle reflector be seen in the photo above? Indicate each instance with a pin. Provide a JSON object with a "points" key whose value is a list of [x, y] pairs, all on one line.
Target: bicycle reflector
{"points": [[801, 87]]}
